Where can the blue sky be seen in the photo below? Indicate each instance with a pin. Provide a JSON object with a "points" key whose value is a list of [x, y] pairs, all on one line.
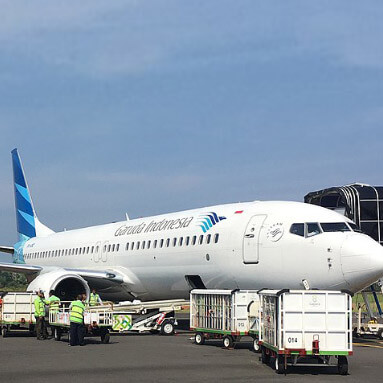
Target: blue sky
{"points": [[153, 106]]}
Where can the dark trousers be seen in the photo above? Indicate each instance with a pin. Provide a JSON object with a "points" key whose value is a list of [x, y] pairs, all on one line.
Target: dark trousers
{"points": [[77, 333], [41, 328]]}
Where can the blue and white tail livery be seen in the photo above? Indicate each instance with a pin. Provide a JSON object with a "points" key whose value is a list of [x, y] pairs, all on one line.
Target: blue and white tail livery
{"points": [[248, 245], [28, 225]]}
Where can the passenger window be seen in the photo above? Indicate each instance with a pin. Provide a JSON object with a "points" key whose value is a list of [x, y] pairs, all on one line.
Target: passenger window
{"points": [[132, 246], [143, 245], [216, 237], [187, 240], [113, 247], [127, 246], [208, 237], [155, 243], [194, 240], [84, 250], [109, 247], [117, 247], [313, 229], [162, 243], [174, 241], [104, 248], [92, 249], [180, 241], [200, 240], [97, 248], [148, 246], [138, 245], [298, 229], [168, 242]]}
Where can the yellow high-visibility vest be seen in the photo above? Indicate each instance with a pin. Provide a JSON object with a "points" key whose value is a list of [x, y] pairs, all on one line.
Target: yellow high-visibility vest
{"points": [[54, 304], [94, 299], [39, 304], [76, 314]]}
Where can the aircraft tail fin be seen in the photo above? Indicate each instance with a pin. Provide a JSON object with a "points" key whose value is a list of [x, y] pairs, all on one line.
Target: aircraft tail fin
{"points": [[28, 225]]}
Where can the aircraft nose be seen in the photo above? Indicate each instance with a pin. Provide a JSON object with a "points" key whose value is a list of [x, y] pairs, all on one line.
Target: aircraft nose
{"points": [[362, 261]]}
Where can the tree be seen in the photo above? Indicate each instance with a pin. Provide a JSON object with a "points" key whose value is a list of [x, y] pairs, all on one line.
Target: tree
{"points": [[12, 281]]}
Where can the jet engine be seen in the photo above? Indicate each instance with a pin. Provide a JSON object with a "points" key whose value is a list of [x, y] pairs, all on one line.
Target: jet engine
{"points": [[66, 285]]}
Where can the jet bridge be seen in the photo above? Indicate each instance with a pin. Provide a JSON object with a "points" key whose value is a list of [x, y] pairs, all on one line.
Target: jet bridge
{"points": [[361, 203]]}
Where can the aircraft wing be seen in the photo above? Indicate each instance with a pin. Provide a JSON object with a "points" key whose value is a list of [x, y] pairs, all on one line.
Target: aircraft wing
{"points": [[7, 249], [19, 268], [86, 274]]}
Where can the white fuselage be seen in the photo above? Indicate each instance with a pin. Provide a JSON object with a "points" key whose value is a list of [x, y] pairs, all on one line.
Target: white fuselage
{"points": [[251, 247]]}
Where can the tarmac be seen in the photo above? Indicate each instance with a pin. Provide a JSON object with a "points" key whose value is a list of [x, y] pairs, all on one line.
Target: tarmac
{"points": [[155, 358]]}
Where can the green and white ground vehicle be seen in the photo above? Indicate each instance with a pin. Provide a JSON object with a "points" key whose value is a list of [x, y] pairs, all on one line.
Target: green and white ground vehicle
{"points": [[305, 328], [97, 321], [17, 313], [224, 314]]}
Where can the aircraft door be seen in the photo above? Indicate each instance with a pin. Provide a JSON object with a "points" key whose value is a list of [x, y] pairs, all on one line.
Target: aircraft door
{"points": [[251, 239], [104, 251], [97, 252]]}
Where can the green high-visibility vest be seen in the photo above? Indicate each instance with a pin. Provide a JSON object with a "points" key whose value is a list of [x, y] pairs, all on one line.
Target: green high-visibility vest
{"points": [[39, 304], [54, 304], [94, 299], [76, 314]]}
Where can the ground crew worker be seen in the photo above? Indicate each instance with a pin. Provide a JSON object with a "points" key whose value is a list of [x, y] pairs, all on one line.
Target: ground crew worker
{"points": [[41, 328], [54, 302], [94, 299], [76, 318]]}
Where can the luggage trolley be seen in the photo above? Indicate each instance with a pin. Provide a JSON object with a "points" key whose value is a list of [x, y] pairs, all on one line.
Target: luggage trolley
{"points": [[305, 328], [224, 314], [97, 322], [17, 313]]}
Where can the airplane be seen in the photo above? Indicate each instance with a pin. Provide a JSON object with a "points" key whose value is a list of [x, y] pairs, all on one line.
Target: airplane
{"points": [[251, 245]]}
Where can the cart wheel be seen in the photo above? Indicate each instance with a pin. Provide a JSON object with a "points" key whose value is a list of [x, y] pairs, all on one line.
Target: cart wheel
{"points": [[199, 338], [167, 328], [228, 341], [57, 333], [105, 338], [265, 357], [279, 364], [256, 346], [342, 365], [4, 332], [380, 334]]}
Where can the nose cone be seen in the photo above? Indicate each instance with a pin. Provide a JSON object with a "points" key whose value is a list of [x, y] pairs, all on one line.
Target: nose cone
{"points": [[362, 261]]}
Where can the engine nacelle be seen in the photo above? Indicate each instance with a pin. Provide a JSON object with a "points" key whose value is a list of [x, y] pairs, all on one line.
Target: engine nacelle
{"points": [[66, 285]]}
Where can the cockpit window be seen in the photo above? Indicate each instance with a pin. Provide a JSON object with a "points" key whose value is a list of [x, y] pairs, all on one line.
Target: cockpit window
{"points": [[298, 229], [313, 229], [354, 227], [334, 226]]}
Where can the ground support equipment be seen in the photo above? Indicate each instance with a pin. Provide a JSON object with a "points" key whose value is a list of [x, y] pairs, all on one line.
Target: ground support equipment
{"points": [[224, 314]]}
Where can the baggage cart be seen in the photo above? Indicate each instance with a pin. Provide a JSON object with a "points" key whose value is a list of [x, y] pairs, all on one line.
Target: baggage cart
{"points": [[305, 327], [97, 322], [17, 313], [224, 314]]}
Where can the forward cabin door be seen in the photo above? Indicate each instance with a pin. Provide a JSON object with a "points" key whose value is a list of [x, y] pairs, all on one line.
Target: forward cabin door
{"points": [[251, 239]]}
